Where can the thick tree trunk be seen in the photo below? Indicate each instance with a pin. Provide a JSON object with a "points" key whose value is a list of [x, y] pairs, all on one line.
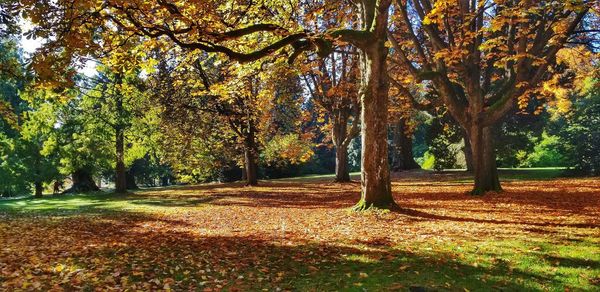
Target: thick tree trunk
{"points": [[403, 158], [251, 157], [251, 166], [376, 189], [38, 189], [342, 172], [484, 160], [468, 153], [244, 173], [82, 182], [164, 181], [339, 133], [120, 176], [130, 180]]}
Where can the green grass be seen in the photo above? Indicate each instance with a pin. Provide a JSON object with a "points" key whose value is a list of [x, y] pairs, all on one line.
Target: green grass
{"points": [[94, 203], [508, 265], [545, 259]]}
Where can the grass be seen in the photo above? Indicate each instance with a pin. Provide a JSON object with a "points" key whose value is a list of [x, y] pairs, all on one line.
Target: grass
{"points": [[543, 233]]}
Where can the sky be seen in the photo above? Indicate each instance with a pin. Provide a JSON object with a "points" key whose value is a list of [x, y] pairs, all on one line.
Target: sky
{"points": [[29, 46]]}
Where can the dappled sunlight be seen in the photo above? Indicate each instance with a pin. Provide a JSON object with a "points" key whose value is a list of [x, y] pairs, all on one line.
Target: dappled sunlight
{"points": [[300, 233]]}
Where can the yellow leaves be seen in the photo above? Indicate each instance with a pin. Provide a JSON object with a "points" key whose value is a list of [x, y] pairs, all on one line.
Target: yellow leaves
{"points": [[452, 57], [287, 149], [427, 20], [523, 101], [497, 44], [438, 12], [59, 268]]}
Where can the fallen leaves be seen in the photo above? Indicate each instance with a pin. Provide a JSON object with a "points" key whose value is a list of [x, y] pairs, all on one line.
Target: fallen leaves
{"points": [[278, 233]]}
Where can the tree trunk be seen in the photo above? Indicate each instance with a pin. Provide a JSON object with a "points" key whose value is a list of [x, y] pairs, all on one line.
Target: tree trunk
{"points": [[250, 153], [342, 172], [130, 180], [82, 182], [484, 160], [376, 189], [244, 173], [164, 181], [120, 176], [38, 189], [339, 132], [468, 153], [251, 166], [403, 152]]}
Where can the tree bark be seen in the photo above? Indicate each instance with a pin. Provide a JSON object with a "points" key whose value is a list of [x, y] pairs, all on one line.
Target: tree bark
{"points": [[120, 176], [342, 172], [251, 166], [468, 153], [251, 156], [82, 182], [164, 181], [38, 189], [339, 135], [484, 160], [130, 180], [376, 189], [403, 153]]}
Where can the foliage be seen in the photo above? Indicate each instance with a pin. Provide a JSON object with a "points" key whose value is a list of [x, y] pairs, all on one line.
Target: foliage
{"points": [[546, 153], [517, 136], [442, 138], [286, 149], [581, 132]]}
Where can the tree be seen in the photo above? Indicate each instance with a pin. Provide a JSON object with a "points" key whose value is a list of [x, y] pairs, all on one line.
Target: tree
{"points": [[116, 102], [216, 27], [8, 18], [574, 110], [36, 132], [26, 123], [483, 59], [406, 102], [582, 132], [246, 105], [332, 83]]}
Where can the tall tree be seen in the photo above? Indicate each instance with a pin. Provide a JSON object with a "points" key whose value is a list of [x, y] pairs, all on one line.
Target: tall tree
{"points": [[242, 99], [483, 58], [116, 102], [215, 26], [333, 83]]}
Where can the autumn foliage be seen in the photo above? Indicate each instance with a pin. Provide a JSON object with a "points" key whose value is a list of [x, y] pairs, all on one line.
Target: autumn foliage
{"points": [[294, 234]]}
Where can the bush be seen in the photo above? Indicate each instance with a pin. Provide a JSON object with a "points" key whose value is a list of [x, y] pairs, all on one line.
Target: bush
{"points": [[546, 153]]}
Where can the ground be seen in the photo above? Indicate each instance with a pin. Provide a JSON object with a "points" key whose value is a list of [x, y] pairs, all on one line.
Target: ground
{"points": [[542, 233]]}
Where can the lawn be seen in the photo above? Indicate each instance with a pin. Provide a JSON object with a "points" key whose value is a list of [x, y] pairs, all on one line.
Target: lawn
{"points": [[542, 233]]}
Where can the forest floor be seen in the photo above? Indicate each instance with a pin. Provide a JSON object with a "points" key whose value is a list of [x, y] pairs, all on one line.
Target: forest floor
{"points": [[542, 233]]}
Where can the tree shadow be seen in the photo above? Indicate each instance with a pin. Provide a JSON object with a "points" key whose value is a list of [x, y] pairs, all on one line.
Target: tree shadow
{"points": [[173, 202], [134, 252], [422, 214], [274, 194], [573, 262]]}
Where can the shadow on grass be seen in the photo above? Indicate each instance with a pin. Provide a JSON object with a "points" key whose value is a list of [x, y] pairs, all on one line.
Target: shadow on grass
{"points": [[421, 214], [573, 262], [180, 202], [154, 256]]}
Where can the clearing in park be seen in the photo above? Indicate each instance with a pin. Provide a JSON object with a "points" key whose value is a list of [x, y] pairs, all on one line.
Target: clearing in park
{"points": [[298, 234]]}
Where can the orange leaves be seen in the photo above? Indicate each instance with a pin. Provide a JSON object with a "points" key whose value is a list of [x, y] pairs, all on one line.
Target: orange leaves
{"points": [[439, 11], [276, 236]]}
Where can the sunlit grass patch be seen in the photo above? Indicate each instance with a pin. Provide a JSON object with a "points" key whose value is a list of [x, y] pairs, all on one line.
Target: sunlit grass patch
{"points": [[298, 235]]}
